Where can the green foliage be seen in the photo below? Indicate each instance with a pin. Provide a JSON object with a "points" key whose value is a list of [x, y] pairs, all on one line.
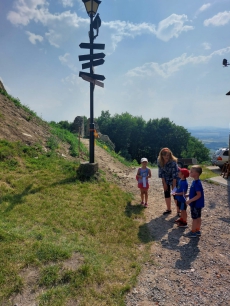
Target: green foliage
{"points": [[134, 138], [64, 135], [196, 149], [123, 159], [74, 235]]}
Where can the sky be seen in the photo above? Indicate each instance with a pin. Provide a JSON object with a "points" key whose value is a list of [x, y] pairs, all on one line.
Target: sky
{"points": [[163, 59]]}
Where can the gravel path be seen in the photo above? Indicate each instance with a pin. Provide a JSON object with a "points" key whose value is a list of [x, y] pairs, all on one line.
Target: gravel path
{"points": [[181, 270], [186, 271]]}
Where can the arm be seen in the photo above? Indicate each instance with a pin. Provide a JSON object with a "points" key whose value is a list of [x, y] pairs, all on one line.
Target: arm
{"points": [[197, 196], [165, 186], [149, 174], [138, 173], [174, 183]]}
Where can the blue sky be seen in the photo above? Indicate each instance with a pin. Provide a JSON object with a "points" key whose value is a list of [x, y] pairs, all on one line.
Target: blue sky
{"points": [[163, 58]]}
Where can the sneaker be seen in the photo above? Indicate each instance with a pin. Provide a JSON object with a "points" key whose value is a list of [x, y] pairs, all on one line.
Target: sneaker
{"points": [[191, 235], [178, 220], [167, 212], [182, 224], [198, 233], [146, 205], [142, 203]]}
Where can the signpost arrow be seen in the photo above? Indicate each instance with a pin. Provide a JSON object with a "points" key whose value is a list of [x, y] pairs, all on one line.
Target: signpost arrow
{"points": [[87, 57], [93, 46], [95, 82], [95, 63], [93, 76]]}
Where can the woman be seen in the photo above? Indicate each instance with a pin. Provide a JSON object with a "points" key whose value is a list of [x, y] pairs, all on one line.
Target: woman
{"points": [[168, 172]]}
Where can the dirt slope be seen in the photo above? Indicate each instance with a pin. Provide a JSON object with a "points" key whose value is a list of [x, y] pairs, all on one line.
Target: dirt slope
{"points": [[17, 125]]}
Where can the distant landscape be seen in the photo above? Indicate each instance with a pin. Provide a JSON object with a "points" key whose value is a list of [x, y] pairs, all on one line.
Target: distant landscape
{"points": [[212, 137]]}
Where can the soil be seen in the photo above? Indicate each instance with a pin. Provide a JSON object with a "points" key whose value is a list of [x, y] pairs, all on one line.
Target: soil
{"points": [[181, 270], [17, 125]]}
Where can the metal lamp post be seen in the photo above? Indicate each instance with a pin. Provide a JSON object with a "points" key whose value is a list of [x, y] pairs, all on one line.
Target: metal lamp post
{"points": [[225, 64], [91, 7]]}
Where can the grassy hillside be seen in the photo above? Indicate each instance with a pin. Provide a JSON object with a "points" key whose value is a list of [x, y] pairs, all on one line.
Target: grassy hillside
{"points": [[81, 241]]}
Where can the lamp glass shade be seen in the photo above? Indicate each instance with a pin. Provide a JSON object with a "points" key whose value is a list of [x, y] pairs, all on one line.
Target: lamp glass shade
{"points": [[91, 6]]}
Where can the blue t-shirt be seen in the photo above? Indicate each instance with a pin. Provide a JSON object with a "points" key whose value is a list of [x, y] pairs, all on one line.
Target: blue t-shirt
{"points": [[196, 186], [182, 187], [143, 173]]}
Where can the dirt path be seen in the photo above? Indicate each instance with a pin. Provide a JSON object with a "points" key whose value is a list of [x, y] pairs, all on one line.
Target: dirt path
{"points": [[181, 271]]}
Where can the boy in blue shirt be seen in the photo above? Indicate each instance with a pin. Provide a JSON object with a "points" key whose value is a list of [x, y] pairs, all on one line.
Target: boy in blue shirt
{"points": [[180, 196], [196, 201]]}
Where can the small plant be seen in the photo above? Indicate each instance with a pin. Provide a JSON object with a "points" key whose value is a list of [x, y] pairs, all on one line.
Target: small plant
{"points": [[52, 143]]}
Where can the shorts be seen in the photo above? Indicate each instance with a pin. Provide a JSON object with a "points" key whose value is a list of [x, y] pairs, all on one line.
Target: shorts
{"points": [[140, 185], [181, 205], [195, 212]]}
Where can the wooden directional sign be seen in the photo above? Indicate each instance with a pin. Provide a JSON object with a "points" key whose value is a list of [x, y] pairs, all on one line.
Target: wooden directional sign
{"points": [[87, 57], [95, 82], [95, 63], [93, 46], [93, 76]]}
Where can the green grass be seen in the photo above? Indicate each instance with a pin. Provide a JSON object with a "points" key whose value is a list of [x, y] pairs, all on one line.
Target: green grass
{"points": [[121, 159], [207, 173], [60, 134], [49, 219]]}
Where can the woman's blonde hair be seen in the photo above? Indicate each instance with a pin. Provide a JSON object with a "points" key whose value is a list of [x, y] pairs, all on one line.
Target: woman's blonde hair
{"points": [[163, 152]]}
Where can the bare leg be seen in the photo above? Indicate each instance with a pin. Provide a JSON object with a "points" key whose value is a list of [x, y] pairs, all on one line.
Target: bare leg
{"points": [[168, 203], [196, 223], [184, 215], [146, 196], [142, 196]]}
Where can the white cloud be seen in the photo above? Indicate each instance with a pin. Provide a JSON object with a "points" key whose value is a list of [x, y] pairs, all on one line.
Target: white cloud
{"points": [[53, 38], [206, 46], [172, 26], [67, 3], [218, 20], [66, 60], [204, 7], [26, 10], [166, 70], [33, 37], [168, 28], [63, 59], [37, 10], [59, 24]]}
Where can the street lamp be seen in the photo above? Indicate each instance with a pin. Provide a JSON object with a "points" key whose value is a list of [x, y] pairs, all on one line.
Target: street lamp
{"points": [[225, 64], [91, 7]]}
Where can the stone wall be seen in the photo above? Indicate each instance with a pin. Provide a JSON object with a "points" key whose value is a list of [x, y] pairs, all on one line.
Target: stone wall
{"points": [[78, 126]]}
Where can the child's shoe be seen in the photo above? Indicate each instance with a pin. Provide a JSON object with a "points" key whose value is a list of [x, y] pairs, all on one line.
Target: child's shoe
{"points": [[191, 235], [182, 224], [146, 205], [198, 233], [178, 220], [142, 203]]}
